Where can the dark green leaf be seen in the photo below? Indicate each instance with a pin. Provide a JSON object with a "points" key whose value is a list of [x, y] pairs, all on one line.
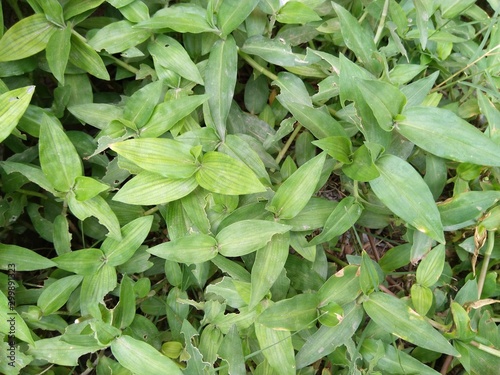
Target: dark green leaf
{"points": [[84, 57], [56, 294]]}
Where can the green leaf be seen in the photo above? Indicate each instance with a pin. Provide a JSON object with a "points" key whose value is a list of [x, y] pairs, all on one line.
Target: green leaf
{"points": [[149, 188], [417, 91], [195, 248], [98, 208], [430, 268], [26, 37], [183, 18], [166, 157], [458, 140], [84, 57], [59, 159], [82, 262], [394, 316], [9, 317], [174, 57], [357, 39], [466, 206], [232, 13], [220, 173], [393, 361], [369, 278], [57, 294], [344, 216], [57, 52], [247, 236], [124, 311], [296, 12], [118, 36], [404, 192], [292, 196], [313, 215], [326, 339], [87, 187], [231, 350], [274, 51], [22, 258], [385, 101], [169, 113], [98, 115], [277, 348], [94, 288], [342, 288], [292, 89], [269, 262], [421, 298], [13, 104], [75, 7], [53, 11], [55, 350], [61, 236], [220, 81], [362, 167], [133, 235], [452, 8], [139, 107], [339, 148], [300, 312]]}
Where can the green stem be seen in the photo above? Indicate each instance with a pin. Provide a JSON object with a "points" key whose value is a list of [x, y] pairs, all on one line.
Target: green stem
{"points": [[123, 64], [254, 64], [486, 262], [16, 9], [288, 144], [486, 349], [151, 211], [382, 22], [339, 261]]}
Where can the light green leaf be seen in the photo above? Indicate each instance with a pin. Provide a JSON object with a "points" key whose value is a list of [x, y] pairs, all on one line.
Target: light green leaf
{"points": [[133, 235], [139, 107], [61, 236], [292, 89], [394, 316], [95, 287], [166, 157], [384, 99], [86, 58], [300, 312], [416, 92], [357, 39], [274, 51], [174, 57], [56, 351], [124, 311], [339, 148], [430, 268], [222, 174], [9, 316], [232, 13], [98, 115], [98, 208], [326, 339], [13, 104], [82, 262], [269, 262], [22, 258], [292, 196], [118, 36], [313, 215], [169, 113], [404, 192], [296, 12], [26, 37], [466, 206], [342, 287], [195, 248], [57, 52], [75, 7], [231, 350], [220, 80], [344, 216], [277, 348], [148, 188], [59, 159], [246, 236], [421, 298], [56, 294], [370, 274], [458, 140], [362, 167], [183, 18], [492, 114], [87, 187]]}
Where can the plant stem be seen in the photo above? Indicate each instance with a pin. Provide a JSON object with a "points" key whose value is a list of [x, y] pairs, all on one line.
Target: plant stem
{"points": [[486, 348], [151, 211], [123, 64], [288, 143], [382, 22], [486, 261], [254, 64]]}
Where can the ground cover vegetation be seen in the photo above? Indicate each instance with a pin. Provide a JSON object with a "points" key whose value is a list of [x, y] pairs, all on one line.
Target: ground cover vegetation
{"points": [[249, 187]]}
